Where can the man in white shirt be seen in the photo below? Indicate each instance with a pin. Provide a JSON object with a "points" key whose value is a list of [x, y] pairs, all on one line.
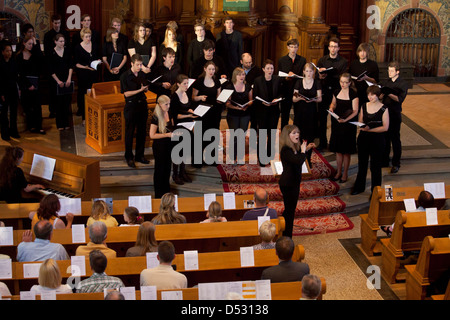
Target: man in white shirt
{"points": [[163, 276]]}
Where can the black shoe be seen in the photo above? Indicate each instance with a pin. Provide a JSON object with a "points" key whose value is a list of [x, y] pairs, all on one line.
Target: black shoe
{"points": [[395, 169], [185, 177], [131, 163], [336, 179], [355, 192], [6, 138], [142, 160], [52, 115], [42, 132], [16, 135], [177, 179]]}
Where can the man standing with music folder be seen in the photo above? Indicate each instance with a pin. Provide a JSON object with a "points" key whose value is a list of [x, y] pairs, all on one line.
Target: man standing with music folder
{"points": [[394, 91], [132, 85]]}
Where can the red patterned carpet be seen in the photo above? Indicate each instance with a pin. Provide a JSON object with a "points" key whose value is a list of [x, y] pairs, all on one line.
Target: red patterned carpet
{"points": [[319, 207]]}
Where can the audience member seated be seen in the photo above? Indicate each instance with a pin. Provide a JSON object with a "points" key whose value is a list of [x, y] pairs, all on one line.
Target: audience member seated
{"points": [[114, 295], [261, 208], [100, 212], [145, 242], [163, 276], [50, 279], [311, 287], [267, 231], [132, 217], [214, 213], [48, 210], [167, 213], [425, 200], [41, 248], [287, 270], [99, 279], [97, 234]]}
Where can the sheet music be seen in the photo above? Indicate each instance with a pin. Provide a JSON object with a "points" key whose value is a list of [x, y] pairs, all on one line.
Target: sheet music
{"points": [[142, 203], [152, 260], [191, 260], [225, 95], [6, 236], [208, 198], [72, 205], [247, 257], [95, 64], [410, 205], [190, 82], [31, 270], [172, 295], [201, 110], [263, 290], [148, 293], [27, 295], [432, 217], [436, 189], [359, 124], [78, 233], [187, 125], [48, 295], [272, 102], [78, 266], [5, 269], [229, 200], [128, 292], [334, 115], [154, 80], [42, 167]]}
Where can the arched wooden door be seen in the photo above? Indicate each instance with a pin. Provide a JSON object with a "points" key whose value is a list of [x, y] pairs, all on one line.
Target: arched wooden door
{"points": [[413, 37]]}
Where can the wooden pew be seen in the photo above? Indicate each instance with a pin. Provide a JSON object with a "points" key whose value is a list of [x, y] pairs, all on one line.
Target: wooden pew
{"points": [[409, 231], [279, 291], [213, 266], [445, 296], [382, 212], [17, 215], [433, 263], [204, 237]]}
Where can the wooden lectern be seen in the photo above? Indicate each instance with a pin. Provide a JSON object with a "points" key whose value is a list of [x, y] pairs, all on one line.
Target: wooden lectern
{"points": [[105, 123]]}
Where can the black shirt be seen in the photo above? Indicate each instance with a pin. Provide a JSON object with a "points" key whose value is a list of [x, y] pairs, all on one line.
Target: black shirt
{"points": [[13, 193], [356, 68], [9, 77], [197, 68], [286, 64], [292, 167], [60, 66], [400, 86], [331, 81], [49, 40], [252, 74], [167, 75], [130, 82]]}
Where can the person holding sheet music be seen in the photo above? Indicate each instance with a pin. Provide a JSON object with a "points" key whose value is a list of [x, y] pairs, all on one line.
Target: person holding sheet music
{"points": [[144, 46], [238, 114], [205, 91], [330, 67], [345, 105], [163, 77], [292, 64], [29, 64], [133, 85], [307, 93], [9, 93], [292, 156], [60, 67], [12, 179], [371, 140], [86, 53], [394, 92], [363, 69], [181, 111], [268, 88], [114, 56], [161, 130], [48, 210]]}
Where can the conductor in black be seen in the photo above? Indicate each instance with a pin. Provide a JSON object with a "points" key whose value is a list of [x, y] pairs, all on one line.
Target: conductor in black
{"points": [[133, 86]]}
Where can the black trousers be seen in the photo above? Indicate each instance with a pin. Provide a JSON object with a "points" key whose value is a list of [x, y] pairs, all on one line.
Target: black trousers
{"points": [[162, 149], [267, 121], [31, 105], [370, 145], [322, 116], [290, 199], [63, 110], [9, 124], [393, 137], [286, 106], [136, 114]]}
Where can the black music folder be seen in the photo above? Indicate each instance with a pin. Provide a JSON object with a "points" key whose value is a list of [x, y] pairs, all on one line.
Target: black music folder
{"points": [[116, 60], [65, 90]]}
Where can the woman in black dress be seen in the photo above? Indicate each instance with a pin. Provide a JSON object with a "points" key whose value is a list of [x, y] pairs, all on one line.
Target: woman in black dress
{"points": [[113, 46], [143, 44], [205, 91], [307, 93], [161, 129], [12, 179], [181, 111], [363, 65], [61, 69], [371, 140], [170, 41], [343, 134], [292, 156], [268, 88], [85, 54], [29, 64]]}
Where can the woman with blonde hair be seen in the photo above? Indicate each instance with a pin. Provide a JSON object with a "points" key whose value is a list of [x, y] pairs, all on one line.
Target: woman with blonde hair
{"points": [[167, 213], [145, 242], [170, 41], [292, 156], [161, 129], [214, 213], [143, 45], [100, 212], [267, 232], [50, 279]]}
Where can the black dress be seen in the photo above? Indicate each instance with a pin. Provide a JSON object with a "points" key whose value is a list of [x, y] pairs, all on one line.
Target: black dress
{"points": [[144, 49], [108, 50], [13, 193], [305, 114], [370, 144], [60, 66], [162, 149], [343, 135]]}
